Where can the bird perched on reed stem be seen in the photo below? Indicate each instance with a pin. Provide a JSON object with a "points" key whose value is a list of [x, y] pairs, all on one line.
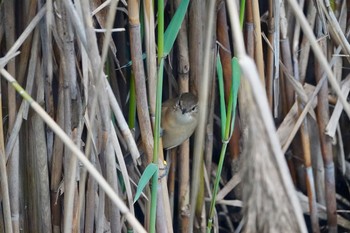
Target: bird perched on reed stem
{"points": [[179, 119]]}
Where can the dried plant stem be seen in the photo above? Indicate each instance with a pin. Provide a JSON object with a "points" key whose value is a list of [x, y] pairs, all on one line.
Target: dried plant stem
{"points": [[195, 44], [326, 147], [13, 161], [183, 163], [140, 78], [41, 165], [203, 99], [318, 53], [310, 183], [259, 58], [151, 54], [76, 151], [250, 72], [3, 179]]}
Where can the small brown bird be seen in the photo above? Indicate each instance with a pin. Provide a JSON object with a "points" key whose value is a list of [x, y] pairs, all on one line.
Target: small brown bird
{"points": [[179, 119]]}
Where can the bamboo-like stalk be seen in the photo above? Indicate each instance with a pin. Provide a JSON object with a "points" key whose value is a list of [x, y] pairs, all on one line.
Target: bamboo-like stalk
{"points": [[183, 163], [151, 54], [203, 97], [310, 184], [326, 147], [137, 64], [195, 44]]}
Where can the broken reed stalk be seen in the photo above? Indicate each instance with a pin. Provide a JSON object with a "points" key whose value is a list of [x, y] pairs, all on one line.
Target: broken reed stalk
{"points": [[262, 132], [76, 151], [318, 53]]}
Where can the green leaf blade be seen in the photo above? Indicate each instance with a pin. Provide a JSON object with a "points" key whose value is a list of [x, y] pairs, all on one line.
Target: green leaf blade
{"points": [[174, 26], [150, 170]]}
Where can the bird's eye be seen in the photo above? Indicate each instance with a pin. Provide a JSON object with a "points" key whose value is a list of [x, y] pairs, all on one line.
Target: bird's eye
{"points": [[194, 108]]}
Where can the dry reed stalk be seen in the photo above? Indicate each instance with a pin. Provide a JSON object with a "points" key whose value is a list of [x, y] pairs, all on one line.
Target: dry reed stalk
{"points": [[150, 42], [25, 48], [90, 203], [262, 132], [42, 174], [111, 174], [5, 199], [172, 160], [318, 53], [195, 19], [342, 18], [140, 79], [23, 110], [123, 169], [13, 161], [259, 58], [270, 57], [57, 163], [304, 48], [123, 126], [294, 157], [287, 61], [310, 183], [195, 12], [322, 212], [335, 30], [326, 146], [65, 33], [208, 149], [183, 164]]}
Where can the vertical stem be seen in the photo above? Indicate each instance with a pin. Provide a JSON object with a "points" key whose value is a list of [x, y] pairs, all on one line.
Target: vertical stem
{"points": [[322, 111], [3, 178]]}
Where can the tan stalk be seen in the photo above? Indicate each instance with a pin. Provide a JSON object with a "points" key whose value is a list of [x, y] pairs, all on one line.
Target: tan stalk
{"points": [[140, 78], [326, 146], [76, 151], [183, 164], [13, 161], [259, 58], [270, 140]]}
